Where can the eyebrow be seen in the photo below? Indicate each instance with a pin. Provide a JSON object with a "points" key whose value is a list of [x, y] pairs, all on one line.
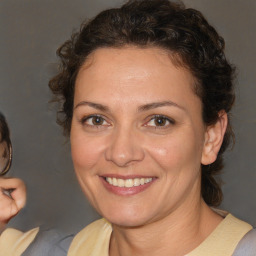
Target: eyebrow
{"points": [[142, 108], [158, 105], [93, 105]]}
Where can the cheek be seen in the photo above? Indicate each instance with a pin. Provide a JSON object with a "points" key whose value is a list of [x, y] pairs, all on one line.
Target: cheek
{"points": [[85, 151], [167, 155], [176, 152]]}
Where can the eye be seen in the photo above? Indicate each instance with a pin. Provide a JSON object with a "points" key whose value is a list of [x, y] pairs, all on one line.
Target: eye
{"points": [[159, 121], [94, 120]]}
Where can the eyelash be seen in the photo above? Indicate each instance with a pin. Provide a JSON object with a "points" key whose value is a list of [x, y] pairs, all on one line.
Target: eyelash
{"points": [[166, 122], [84, 121], [164, 118]]}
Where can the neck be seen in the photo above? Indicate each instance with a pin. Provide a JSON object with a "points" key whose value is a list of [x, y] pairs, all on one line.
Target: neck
{"points": [[176, 234]]}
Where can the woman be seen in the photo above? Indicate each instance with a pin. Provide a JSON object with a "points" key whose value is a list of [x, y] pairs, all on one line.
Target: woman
{"points": [[146, 93]]}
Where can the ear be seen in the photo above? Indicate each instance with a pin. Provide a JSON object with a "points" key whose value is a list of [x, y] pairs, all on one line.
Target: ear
{"points": [[214, 135]]}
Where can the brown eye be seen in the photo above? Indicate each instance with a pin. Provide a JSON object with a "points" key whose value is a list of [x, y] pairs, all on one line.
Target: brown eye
{"points": [[95, 121], [160, 121]]}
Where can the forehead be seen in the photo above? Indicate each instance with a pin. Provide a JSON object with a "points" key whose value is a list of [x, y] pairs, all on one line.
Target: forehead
{"points": [[133, 59], [132, 74]]}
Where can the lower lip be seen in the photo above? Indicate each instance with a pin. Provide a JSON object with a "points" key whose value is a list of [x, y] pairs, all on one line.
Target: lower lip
{"points": [[126, 191]]}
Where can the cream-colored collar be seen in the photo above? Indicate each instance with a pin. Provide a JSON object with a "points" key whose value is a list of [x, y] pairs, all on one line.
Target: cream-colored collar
{"points": [[224, 239], [94, 239]]}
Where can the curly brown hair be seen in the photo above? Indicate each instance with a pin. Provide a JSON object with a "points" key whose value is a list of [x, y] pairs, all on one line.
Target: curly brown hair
{"points": [[4, 130], [6, 150], [183, 32]]}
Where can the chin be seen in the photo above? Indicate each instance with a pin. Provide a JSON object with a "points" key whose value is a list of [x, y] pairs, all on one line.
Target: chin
{"points": [[126, 222], [126, 218]]}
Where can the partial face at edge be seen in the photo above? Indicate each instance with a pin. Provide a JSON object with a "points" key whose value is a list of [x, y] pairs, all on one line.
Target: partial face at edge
{"points": [[137, 120]]}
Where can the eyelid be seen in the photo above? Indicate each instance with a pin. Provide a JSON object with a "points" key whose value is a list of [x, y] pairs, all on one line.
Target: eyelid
{"points": [[86, 118], [168, 119]]}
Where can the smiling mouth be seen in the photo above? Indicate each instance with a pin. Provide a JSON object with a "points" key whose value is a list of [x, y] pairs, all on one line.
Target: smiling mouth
{"points": [[127, 183]]}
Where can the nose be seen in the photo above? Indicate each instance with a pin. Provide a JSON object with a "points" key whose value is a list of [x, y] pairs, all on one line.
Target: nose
{"points": [[125, 148]]}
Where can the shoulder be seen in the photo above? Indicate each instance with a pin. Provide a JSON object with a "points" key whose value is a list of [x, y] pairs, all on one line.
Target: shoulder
{"points": [[38, 241], [49, 242], [247, 245], [52, 242], [14, 242], [92, 240]]}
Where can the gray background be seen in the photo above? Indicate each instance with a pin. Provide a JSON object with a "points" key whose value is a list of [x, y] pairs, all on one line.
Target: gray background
{"points": [[30, 33]]}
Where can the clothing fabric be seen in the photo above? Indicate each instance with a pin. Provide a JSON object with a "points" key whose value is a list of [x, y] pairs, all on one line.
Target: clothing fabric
{"points": [[247, 246], [49, 243], [94, 240]]}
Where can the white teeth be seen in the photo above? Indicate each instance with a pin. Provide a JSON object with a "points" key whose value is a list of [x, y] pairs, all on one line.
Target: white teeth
{"points": [[147, 180], [128, 183], [109, 180], [136, 182], [114, 182], [120, 183]]}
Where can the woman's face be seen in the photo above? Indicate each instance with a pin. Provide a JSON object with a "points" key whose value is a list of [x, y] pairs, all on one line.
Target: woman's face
{"points": [[137, 135]]}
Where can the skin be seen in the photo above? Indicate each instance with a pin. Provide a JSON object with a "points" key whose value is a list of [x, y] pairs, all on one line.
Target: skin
{"points": [[11, 205], [127, 88]]}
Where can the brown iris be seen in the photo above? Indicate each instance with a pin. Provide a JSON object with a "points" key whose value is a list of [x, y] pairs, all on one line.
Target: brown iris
{"points": [[160, 121], [97, 120]]}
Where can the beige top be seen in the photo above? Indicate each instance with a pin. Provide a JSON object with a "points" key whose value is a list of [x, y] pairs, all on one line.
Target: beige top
{"points": [[94, 239]]}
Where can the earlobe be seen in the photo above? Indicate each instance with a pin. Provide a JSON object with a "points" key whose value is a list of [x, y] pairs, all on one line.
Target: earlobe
{"points": [[214, 135]]}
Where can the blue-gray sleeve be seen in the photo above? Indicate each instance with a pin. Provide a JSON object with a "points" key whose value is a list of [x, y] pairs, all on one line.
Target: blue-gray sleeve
{"points": [[247, 246], [49, 243]]}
